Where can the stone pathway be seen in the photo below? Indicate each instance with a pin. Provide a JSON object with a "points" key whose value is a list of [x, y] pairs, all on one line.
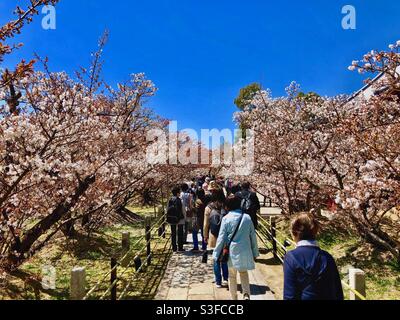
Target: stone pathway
{"points": [[187, 278]]}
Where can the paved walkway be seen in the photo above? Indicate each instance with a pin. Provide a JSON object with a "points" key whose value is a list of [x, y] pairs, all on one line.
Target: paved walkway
{"points": [[187, 278]]}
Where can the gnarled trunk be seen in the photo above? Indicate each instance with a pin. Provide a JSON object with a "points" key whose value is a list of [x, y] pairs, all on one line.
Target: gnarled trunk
{"points": [[20, 248], [376, 237]]}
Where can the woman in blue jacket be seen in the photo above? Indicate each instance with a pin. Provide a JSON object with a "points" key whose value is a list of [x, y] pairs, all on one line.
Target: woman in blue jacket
{"points": [[243, 249], [310, 273]]}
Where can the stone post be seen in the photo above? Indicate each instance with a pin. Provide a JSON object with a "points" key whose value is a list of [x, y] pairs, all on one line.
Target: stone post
{"points": [[357, 282], [78, 284]]}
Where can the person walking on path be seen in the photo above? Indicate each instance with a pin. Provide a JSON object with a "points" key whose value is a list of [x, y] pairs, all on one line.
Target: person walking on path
{"points": [[213, 215], [238, 237], [309, 272], [176, 219], [215, 203], [228, 186], [193, 191], [188, 205], [205, 185], [198, 220], [250, 203]]}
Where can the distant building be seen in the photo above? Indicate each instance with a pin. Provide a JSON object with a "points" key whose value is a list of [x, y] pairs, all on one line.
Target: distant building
{"points": [[370, 89]]}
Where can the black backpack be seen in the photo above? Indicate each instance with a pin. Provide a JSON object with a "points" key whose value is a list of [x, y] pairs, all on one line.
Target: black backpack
{"points": [[247, 204], [249, 207], [174, 211], [215, 221]]}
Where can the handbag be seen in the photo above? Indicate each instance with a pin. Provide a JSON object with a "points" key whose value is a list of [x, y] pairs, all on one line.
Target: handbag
{"points": [[224, 257]]}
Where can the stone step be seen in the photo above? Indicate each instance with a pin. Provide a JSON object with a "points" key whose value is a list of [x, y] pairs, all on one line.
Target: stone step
{"points": [[187, 278]]}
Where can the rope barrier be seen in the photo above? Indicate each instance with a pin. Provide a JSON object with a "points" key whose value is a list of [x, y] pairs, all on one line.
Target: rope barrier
{"points": [[157, 225], [277, 230], [137, 272], [262, 220], [96, 286], [354, 291], [142, 266], [139, 276], [126, 269]]}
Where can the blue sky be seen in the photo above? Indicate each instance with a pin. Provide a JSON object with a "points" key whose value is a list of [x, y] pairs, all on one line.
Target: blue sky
{"points": [[200, 53]]}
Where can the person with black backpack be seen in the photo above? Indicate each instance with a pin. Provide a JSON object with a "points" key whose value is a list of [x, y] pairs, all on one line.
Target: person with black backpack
{"points": [[213, 216], [249, 202], [176, 220], [188, 204]]}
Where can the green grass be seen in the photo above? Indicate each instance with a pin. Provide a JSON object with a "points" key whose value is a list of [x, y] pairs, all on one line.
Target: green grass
{"points": [[382, 271], [94, 254], [142, 211]]}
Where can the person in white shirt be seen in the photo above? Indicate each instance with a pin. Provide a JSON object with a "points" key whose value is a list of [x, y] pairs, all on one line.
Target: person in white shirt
{"points": [[205, 185]]}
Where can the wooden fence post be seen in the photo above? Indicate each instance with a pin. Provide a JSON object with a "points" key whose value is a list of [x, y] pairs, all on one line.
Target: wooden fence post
{"points": [[162, 198], [161, 229], [357, 282], [78, 284], [148, 242], [273, 233], [126, 245], [164, 229], [164, 225], [160, 211], [113, 279]]}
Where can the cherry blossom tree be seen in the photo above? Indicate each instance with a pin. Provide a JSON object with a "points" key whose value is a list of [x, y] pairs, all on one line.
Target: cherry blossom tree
{"points": [[67, 153], [71, 149], [312, 151], [292, 139], [8, 32], [373, 192]]}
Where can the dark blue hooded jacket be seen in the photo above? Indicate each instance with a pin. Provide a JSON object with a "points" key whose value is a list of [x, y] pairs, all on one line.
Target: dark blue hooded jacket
{"points": [[311, 274]]}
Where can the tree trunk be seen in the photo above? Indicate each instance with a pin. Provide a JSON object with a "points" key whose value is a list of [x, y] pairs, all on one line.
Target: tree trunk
{"points": [[20, 247], [377, 237], [69, 228]]}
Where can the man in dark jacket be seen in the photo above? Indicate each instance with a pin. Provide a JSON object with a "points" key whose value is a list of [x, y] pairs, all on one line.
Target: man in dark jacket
{"points": [[309, 272], [177, 222], [250, 203]]}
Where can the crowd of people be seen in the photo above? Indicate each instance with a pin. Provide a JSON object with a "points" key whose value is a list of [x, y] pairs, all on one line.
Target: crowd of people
{"points": [[224, 215]]}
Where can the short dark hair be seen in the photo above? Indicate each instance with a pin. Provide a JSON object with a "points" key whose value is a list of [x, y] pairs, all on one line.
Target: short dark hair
{"points": [[176, 190], [246, 185], [236, 188], [185, 187], [218, 196], [201, 194], [233, 203]]}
